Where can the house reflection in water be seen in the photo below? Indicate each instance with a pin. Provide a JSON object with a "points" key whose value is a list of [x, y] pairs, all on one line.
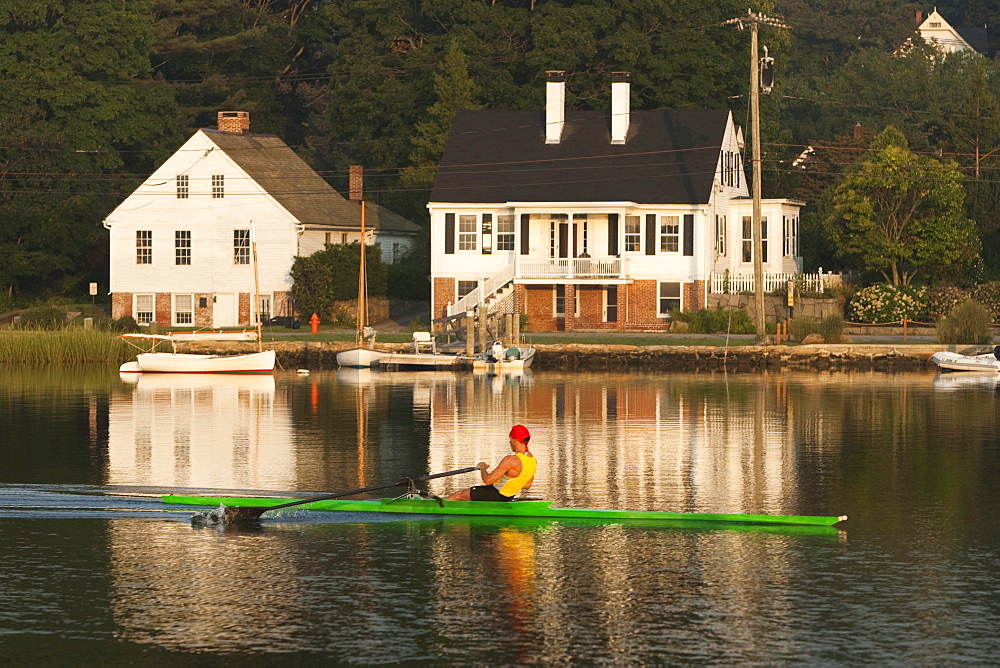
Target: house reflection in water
{"points": [[196, 430]]}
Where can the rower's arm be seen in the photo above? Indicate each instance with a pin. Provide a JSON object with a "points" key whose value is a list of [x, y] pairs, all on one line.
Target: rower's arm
{"points": [[504, 468]]}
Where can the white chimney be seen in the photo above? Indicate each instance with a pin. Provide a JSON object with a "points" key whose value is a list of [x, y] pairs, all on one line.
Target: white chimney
{"points": [[619, 106], [555, 105]]}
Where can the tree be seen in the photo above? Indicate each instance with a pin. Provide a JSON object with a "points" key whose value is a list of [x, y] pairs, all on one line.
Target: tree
{"points": [[331, 275], [454, 90], [901, 214]]}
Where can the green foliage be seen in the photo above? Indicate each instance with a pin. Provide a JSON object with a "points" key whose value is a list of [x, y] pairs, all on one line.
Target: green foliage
{"points": [[331, 275], [968, 323], [709, 321], [125, 325], [66, 346], [988, 294], [802, 326], [942, 299], [43, 317], [832, 328], [883, 303], [901, 214]]}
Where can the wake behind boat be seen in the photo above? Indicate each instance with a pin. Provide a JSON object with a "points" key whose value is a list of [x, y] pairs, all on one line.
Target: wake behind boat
{"points": [[986, 361]]}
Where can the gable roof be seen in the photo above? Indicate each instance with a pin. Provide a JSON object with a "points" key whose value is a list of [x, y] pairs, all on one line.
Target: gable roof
{"points": [[935, 28], [297, 187], [670, 157]]}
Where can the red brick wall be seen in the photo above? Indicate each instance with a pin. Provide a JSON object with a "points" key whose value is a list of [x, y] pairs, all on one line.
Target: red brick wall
{"points": [[164, 309], [539, 303], [121, 304], [444, 292]]}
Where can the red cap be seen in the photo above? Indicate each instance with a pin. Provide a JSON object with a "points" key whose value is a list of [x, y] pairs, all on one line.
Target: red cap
{"points": [[520, 433]]}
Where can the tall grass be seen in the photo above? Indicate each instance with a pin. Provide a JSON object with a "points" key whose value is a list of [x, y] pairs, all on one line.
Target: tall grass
{"points": [[64, 346]]}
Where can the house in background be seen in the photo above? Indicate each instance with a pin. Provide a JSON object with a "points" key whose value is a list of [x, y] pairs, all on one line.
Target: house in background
{"points": [[590, 222], [936, 31], [181, 251]]}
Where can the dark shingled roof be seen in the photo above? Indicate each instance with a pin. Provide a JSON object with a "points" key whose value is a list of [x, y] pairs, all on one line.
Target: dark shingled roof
{"points": [[297, 187], [501, 156], [976, 37]]}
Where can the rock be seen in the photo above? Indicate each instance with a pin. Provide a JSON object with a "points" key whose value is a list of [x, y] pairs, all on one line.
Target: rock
{"points": [[813, 338]]}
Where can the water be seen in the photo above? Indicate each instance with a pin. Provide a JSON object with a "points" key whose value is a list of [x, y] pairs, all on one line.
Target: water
{"points": [[97, 571]]}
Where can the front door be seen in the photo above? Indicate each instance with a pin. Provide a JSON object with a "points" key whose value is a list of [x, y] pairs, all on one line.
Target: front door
{"points": [[225, 311]]}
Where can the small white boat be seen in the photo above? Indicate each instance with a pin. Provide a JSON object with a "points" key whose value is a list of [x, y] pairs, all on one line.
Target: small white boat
{"points": [[174, 362], [986, 361], [358, 358], [361, 357], [490, 364]]}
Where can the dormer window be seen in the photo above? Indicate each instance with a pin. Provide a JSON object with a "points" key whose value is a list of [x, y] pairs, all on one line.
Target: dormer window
{"points": [[936, 24]]}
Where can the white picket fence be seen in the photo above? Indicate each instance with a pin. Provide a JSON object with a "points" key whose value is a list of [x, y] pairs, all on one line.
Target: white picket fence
{"points": [[734, 283]]}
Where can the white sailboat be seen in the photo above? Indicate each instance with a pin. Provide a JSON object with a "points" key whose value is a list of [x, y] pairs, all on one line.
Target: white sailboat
{"points": [[361, 357], [261, 361]]}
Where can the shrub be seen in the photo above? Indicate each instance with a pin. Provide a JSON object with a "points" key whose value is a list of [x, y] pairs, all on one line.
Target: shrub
{"points": [[832, 328], [125, 325], [43, 317], [802, 326], [708, 321], [968, 323], [883, 303], [988, 294]]}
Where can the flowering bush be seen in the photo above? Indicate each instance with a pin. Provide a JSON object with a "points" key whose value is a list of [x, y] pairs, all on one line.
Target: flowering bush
{"points": [[889, 303], [988, 294], [941, 300]]}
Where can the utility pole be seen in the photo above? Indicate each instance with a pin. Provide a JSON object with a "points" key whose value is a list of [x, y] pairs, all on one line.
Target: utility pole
{"points": [[754, 21]]}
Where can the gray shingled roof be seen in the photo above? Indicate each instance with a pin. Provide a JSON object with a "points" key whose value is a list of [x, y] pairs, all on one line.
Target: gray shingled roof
{"points": [[501, 156], [297, 187]]}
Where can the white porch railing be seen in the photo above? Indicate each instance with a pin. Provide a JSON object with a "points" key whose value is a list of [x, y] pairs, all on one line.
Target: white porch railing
{"points": [[733, 283], [568, 268]]}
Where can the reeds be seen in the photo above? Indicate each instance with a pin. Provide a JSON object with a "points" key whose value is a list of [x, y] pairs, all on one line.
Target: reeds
{"points": [[64, 346]]}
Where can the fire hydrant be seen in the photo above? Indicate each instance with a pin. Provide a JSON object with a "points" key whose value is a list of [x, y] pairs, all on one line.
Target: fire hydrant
{"points": [[314, 322]]}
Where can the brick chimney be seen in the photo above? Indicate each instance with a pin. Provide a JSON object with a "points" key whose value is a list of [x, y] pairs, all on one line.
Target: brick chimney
{"points": [[234, 121], [555, 105], [356, 182], [920, 17], [620, 84], [858, 130]]}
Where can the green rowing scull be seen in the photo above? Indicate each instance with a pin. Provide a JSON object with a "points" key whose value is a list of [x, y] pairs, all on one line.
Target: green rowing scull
{"points": [[540, 509]]}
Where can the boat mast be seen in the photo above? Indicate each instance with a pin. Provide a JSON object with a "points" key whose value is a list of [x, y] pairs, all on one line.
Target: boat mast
{"points": [[256, 286], [362, 287]]}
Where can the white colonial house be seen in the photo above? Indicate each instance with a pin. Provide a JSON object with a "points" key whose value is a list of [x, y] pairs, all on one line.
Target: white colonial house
{"points": [[181, 243], [936, 31], [598, 221]]}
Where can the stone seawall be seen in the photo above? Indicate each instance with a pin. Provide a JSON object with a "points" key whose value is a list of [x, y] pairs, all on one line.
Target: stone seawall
{"points": [[588, 357]]}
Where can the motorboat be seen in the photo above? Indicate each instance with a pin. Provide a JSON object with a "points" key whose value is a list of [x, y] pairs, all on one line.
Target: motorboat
{"points": [[983, 361]]}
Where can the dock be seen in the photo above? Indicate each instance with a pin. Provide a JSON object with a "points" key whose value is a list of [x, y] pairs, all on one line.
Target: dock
{"points": [[390, 361]]}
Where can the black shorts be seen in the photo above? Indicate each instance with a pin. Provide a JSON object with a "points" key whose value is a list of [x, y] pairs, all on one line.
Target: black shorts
{"points": [[488, 493]]}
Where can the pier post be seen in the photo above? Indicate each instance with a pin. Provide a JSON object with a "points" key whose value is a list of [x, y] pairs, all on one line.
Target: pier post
{"points": [[470, 333]]}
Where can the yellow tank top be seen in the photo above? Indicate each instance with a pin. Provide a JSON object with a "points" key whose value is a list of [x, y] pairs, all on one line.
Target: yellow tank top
{"points": [[514, 485]]}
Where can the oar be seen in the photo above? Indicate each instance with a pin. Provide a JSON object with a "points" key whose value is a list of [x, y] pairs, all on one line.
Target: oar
{"points": [[234, 514]]}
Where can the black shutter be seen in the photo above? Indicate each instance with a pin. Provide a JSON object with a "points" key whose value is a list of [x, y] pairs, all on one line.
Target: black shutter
{"points": [[487, 233], [449, 233], [689, 234], [525, 222], [613, 234], [650, 234]]}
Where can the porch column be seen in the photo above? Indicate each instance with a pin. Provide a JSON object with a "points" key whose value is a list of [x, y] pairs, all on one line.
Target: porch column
{"points": [[569, 307]]}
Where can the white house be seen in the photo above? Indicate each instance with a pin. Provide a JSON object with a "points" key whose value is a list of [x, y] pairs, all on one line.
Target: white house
{"points": [[181, 243], [935, 30], [598, 222]]}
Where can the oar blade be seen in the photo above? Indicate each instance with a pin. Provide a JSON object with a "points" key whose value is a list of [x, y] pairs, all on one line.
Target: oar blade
{"points": [[237, 514]]}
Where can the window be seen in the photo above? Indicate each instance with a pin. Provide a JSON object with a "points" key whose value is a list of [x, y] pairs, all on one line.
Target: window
{"points": [[670, 234], [144, 247], [183, 310], [720, 235], [327, 237], [465, 287], [143, 309], [633, 234], [763, 238], [343, 238], [747, 239], [395, 252], [670, 297], [505, 232], [611, 303], [182, 186], [182, 247], [218, 186], [559, 307], [241, 246], [263, 310], [467, 233]]}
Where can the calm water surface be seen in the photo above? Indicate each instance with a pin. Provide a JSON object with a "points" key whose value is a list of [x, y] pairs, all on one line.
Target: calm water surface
{"points": [[97, 571]]}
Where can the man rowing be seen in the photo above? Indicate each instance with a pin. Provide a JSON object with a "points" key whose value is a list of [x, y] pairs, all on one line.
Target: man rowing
{"points": [[518, 468]]}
